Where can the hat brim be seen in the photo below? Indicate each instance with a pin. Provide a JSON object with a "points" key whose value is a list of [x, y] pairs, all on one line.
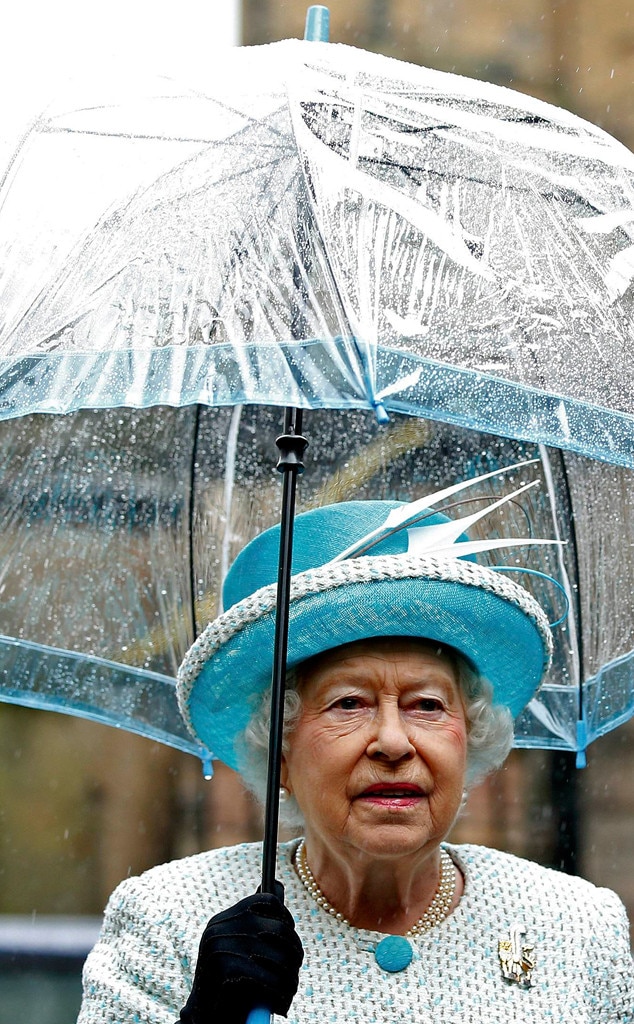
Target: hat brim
{"points": [[504, 643]]}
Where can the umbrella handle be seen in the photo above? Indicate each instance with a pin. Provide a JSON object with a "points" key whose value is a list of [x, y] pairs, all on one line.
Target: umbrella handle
{"points": [[259, 1016]]}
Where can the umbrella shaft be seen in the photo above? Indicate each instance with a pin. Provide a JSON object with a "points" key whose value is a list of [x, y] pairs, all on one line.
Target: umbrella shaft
{"points": [[291, 446]]}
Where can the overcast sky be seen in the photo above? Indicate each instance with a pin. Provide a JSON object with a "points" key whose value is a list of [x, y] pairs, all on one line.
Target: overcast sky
{"points": [[45, 41], [43, 38]]}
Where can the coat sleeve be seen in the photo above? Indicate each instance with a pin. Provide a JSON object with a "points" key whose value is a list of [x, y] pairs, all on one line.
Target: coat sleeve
{"points": [[139, 971], [609, 964]]}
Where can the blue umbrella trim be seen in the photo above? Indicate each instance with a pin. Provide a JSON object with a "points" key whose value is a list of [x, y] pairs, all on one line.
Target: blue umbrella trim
{"points": [[53, 679], [281, 374]]}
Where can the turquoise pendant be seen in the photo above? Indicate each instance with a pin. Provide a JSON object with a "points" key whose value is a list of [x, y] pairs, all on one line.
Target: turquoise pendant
{"points": [[393, 953]]}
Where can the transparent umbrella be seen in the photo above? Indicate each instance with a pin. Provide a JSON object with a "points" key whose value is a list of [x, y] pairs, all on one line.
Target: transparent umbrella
{"points": [[307, 225]]}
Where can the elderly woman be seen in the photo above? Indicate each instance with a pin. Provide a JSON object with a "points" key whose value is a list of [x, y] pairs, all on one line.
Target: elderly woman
{"points": [[406, 670]]}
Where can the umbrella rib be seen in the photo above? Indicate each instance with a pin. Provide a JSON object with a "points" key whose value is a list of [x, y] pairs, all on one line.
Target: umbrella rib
{"points": [[192, 493], [250, 120], [14, 156], [149, 136]]}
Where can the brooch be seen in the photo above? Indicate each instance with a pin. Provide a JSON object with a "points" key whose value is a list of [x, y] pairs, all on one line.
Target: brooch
{"points": [[517, 958]]}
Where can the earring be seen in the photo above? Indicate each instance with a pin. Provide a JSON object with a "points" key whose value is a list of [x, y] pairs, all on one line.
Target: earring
{"points": [[285, 794]]}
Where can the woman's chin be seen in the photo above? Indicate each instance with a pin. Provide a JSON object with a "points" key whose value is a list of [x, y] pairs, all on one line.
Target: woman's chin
{"points": [[393, 839], [397, 829]]}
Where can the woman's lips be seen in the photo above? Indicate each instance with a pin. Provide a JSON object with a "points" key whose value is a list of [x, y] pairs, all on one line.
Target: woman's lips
{"points": [[401, 794]]}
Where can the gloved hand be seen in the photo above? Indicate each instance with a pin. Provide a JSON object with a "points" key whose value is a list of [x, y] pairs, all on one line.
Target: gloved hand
{"points": [[249, 956]]}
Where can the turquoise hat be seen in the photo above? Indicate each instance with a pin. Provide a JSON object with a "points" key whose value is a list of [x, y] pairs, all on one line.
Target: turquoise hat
{"points": [[387, 588]]}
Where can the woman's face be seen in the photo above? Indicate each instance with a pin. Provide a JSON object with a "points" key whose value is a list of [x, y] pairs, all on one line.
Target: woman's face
{"points": [[377, 761]]}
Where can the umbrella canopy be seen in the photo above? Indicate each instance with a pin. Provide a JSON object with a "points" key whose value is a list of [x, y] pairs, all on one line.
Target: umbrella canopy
{"points": [[348, 232], [439, 246]]}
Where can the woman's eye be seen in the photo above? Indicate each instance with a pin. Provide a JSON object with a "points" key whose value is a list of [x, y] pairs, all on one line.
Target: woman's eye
{"points": [[348, 703], [429, 704]]}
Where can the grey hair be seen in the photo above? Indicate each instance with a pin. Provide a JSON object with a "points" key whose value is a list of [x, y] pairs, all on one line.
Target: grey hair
{"points": [[489, 734]]}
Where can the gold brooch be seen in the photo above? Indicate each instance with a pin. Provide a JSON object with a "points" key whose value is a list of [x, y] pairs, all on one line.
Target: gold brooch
{"points": [[517, 958]]}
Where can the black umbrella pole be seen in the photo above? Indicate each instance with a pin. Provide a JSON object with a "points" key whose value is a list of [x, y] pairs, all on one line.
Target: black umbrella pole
{"points": [[291, 446]]}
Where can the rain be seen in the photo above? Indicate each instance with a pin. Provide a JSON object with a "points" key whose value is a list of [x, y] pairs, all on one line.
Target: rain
{"points": [[117, 525]]}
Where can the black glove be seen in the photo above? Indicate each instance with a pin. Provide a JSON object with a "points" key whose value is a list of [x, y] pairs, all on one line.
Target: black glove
{"points": [[249, 956]]}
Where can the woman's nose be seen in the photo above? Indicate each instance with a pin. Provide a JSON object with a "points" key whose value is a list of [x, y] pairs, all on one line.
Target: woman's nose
{"points": [[390, 739]]}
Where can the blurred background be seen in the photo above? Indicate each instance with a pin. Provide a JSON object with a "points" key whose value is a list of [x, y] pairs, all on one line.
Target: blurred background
{"points": [[81, 805]]}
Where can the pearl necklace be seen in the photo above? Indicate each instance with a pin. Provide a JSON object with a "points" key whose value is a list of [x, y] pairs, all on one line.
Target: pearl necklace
{"points": [[394, 952]]}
